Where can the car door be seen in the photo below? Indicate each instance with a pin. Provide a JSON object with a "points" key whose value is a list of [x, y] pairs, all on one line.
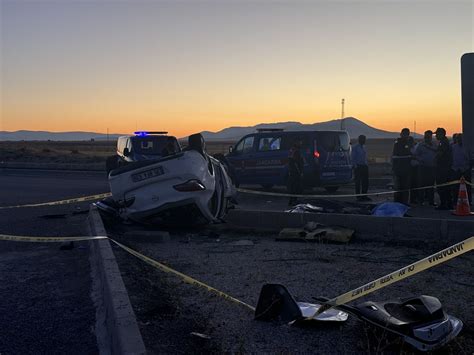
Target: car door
{"points": [[269, 160], [242, 160]]}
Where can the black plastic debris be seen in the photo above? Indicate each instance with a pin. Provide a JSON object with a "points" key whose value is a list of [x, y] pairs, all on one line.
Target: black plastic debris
{"points": [[67, 246], [275, 303]]}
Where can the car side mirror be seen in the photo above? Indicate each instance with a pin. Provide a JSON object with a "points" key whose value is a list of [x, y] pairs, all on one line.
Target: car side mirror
{"points": [[126, 152], [231, 149]]}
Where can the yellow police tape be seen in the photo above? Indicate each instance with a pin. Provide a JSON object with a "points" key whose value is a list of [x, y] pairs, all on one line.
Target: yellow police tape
{"points": [[62, 202], [135, 253], [407, 271], [19, 238], [246, 191], [263, 193], [184, 277]]}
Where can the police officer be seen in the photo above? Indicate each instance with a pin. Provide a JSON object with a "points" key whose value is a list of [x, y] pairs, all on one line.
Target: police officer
{"points": [[413, 171], [295, 171], [361, 169], [170, 147], [401, 165], [461, 166], [425, 153], [444, 161]]}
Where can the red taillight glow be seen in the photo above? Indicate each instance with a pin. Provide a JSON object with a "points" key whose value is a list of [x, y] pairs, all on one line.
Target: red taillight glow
{"points": [[316, 154], [190, 186]]}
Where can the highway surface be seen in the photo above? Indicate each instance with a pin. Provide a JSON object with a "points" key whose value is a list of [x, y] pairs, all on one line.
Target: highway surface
{"points": [[46, 305]]}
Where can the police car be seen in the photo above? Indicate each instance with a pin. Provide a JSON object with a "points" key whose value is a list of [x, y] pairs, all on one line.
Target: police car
{"points": [[262, 158], [143, 145]]}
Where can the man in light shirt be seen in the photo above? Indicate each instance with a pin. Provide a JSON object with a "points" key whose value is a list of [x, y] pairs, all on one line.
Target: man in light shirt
{"points": [[425, 154], [361, 169]]}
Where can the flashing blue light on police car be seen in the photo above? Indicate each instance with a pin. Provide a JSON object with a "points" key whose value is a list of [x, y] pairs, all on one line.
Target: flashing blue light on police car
{"points": [[148, 133]]}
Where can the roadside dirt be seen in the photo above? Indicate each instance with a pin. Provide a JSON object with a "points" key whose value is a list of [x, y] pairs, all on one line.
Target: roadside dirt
{"points": [[169, 310]]}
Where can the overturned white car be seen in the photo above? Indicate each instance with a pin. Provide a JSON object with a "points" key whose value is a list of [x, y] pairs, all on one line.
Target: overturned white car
{"points": [[188, 187]]}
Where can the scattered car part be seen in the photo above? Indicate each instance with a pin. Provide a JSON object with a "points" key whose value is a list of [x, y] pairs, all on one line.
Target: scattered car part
{"points": [[419, 321], [276, 303], [321, 233]]}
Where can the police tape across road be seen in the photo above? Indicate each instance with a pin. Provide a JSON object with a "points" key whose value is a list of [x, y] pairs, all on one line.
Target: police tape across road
{"points": [[245, 191], [62, 202], [185, 278], [279, 194], [405, 272], [149, 261]]}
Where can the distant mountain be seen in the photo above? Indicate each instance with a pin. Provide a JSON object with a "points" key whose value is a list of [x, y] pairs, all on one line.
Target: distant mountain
{"points": [[54, 136], [352, 125]]}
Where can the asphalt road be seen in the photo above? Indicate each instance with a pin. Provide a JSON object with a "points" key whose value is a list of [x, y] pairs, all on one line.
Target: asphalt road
{"points": [[46, 306]]}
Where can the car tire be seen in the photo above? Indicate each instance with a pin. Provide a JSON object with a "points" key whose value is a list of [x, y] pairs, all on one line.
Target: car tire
{"points": [[331, 188]]}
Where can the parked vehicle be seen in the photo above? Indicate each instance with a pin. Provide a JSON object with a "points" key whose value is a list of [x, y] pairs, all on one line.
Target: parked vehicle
{"points": [[262, 158], [188, 187], [142, 145]]}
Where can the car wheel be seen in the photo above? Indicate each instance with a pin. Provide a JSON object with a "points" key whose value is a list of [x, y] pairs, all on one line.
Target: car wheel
{"points": [[331, 188]]}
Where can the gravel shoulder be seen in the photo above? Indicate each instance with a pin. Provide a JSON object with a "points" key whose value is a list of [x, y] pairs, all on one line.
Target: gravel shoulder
{"points": [[307, 269]]}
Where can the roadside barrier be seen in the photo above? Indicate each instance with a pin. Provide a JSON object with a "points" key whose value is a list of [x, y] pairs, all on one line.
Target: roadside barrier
{"points": [[278, 194], [62, 202], [149, 261]]}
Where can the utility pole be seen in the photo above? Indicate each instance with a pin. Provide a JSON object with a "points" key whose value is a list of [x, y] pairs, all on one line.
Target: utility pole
{"points": [[414, 128], [342, 115], [107, 134]]}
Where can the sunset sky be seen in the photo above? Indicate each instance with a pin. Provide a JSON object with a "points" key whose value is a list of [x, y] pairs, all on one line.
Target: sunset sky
{"points": [[187, 66]]}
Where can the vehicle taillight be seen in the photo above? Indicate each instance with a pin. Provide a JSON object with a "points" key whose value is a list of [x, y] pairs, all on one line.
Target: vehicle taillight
{"points": [[190, 186], [316, 154]]}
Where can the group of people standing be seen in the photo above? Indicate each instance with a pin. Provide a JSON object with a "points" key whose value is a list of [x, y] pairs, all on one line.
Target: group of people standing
{"points": [[423, 164], [419, 165]]}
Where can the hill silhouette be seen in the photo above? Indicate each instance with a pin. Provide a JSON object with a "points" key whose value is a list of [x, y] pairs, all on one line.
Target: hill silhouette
{"points": [[354, 127]]}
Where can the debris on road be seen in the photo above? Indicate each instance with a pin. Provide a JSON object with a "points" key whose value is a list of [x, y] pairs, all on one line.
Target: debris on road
{"points": [[67, 246], [419, 321], [390, 209], [320, 205], [315, 232], [200, 335], [276, 303], [305, 208]]}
